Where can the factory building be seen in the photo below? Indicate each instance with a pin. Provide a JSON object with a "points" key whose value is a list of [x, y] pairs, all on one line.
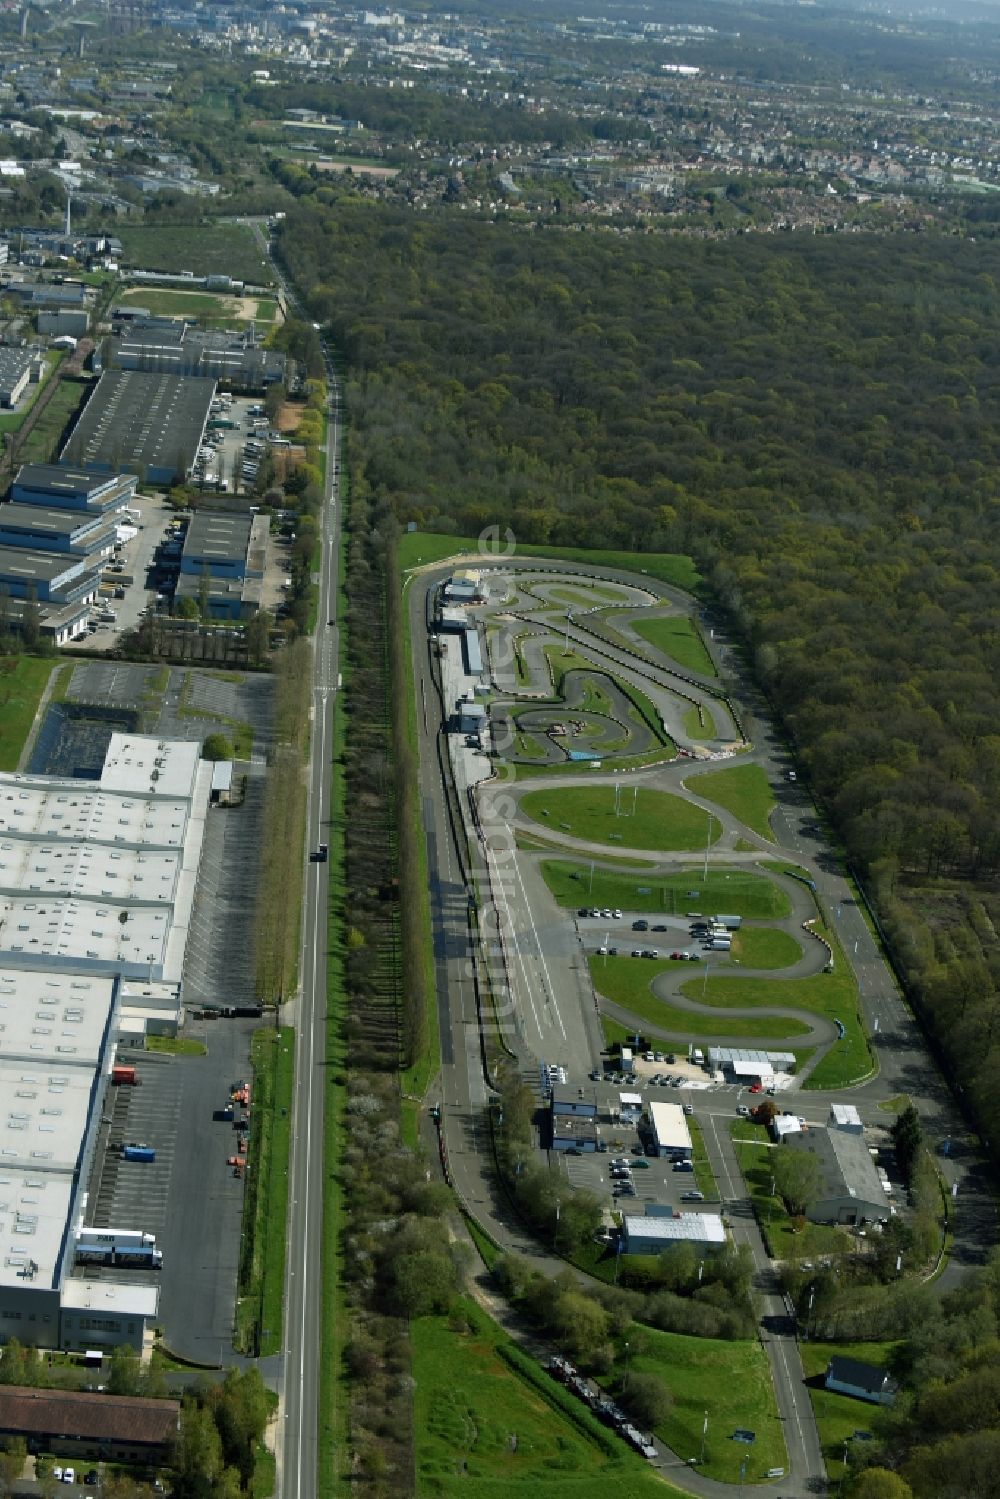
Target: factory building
{"points": [[64, 321], [67, 486], [70, 532], [97, 882], [16, 367], [223, 562], [237, 360], [148, 424], [47, 576]]}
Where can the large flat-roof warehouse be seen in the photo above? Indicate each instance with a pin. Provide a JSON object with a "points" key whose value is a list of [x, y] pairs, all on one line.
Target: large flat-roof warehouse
{"points": [[151, 424], [96, 887]]}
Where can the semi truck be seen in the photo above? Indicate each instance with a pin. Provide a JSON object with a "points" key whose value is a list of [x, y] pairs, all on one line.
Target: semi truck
{"points": [[117, 1246], [125, 1076]]}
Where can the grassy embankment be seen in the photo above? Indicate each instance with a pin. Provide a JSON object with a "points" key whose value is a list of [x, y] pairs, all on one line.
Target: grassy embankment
{"points": [[22, 682], [648, 819], [262, 1272], [743, 790], [419, 548], [488, 1417], [677, 638]]}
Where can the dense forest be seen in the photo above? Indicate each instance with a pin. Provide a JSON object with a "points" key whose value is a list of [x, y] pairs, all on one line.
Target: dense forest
{"points": [[816, 419]]}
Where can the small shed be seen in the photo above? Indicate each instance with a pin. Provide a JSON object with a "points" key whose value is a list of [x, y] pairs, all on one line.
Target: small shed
{"points": [[222, 783], [845, 1116]]}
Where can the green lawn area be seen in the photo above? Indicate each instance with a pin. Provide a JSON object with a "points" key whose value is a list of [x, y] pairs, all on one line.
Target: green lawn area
{"points": [[734, 891], [178, 1046], [677, 638], [756, 1157], [743, 790], [704, 1176], [210, 249], [479, 1424], [729, 1380], [840, 1416], [418, 548], [22, 682], [765, 947], [694, 728], [260, 1306], [165, 302], [658, 821], [586, 595], [626, 981], [832, 995]]}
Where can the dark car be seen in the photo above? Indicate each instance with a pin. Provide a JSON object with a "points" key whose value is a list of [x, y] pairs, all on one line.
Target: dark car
{"points": [[640, 926]]}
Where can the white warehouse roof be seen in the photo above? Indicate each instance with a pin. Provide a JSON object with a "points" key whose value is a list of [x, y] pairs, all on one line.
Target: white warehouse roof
{"points": [[697, 1228], [670, 1126], [845, 1116]]}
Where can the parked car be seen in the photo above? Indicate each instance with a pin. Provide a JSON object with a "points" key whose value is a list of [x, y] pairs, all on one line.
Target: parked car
{"points": [[692, 1196], [742, 1111]]}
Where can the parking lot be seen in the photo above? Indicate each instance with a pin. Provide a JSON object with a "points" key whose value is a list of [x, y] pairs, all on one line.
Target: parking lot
{"points": [[132, 561], [188, 1197]]}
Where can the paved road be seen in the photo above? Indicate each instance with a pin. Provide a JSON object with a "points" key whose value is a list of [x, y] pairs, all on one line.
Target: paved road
{"points": [[299, 1382]]}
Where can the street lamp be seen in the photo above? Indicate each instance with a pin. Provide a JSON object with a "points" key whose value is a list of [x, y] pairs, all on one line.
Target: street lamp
{"points": [[625, 1379]]}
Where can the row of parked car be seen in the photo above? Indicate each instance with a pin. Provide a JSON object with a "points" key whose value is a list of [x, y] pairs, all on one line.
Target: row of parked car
{"points": [[606, 1410]]}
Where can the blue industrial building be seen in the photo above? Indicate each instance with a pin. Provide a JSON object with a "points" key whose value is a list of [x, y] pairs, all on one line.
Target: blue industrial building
{"points": [[68, 486]]}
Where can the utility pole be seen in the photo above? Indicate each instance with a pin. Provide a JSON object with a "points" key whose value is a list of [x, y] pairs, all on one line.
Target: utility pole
{"points": [[708, 844]]}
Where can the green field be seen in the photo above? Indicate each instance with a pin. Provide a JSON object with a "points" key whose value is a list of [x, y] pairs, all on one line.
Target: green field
{"points": [[655, 820], [731, 1381], [677, 638], [755, 1156], [694, 728], [626, 981], [765, 947], [731, 890], [479, 1424], [207, 250], [44, 438], [586, 595], [22, 682], [418, 548], [743, 790], [165, 302]]}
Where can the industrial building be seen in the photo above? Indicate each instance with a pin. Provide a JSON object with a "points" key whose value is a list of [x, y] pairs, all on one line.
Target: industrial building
{"points": [[670, 1132], [90, 1428], [846, 1116], [659, 1230], [150, 425], [466, 586], [67, 486], [472, 652], [71, 533], [47, 576], [574, 1119], [237, 359], [16, 366], [223, 562], [64, 320], [97, 883], [850, 1191], [742, 1065]]}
